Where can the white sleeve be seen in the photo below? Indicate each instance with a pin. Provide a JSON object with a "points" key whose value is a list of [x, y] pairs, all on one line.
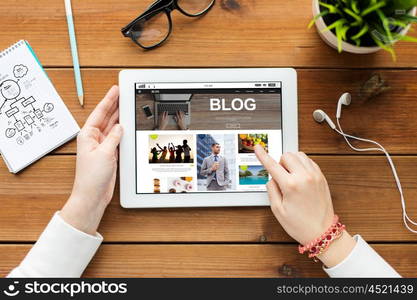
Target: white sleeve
{"points": [[363, 261], [61, 251]]}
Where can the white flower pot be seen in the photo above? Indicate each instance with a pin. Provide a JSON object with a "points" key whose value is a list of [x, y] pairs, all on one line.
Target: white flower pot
{"points": [[330, 38]]}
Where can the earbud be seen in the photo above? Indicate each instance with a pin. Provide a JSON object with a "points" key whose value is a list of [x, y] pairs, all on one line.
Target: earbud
{"points": [[320, 116], [345, 99]]}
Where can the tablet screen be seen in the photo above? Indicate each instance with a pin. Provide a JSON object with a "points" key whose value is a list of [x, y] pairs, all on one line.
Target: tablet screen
{"points": [[200, 137]]}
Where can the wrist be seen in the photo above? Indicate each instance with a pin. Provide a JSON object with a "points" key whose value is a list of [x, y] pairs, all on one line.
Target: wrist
{"points": [[338, 250], [82, 214], [332, 247]]}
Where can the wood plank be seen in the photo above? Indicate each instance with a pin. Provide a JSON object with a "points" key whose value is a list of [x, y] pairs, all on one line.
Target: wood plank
{"points": [[234, 33], [210, 260], [388, 119], [363, 190]]}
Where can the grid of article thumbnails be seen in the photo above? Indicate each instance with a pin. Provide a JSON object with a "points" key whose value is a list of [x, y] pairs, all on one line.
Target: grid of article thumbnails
{"points": [[199, 139]]}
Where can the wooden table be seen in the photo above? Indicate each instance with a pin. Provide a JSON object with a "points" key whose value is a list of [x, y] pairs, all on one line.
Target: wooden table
{"points": [[221, 242]]}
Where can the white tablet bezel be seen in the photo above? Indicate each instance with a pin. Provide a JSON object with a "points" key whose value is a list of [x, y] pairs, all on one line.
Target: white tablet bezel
{"points": [[127, 80]]}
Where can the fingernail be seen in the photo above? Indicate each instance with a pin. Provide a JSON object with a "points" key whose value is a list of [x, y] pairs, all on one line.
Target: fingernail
{"points": [[118, 128], [258, 147]]}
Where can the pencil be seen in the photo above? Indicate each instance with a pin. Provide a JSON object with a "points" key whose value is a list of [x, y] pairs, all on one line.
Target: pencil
{"points": [[74, 52]]}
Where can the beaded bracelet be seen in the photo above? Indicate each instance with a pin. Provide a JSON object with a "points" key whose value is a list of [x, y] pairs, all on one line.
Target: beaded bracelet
{"points": [[320, 244]]}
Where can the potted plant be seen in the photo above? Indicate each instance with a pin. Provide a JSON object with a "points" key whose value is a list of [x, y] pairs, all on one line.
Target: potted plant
{"points": [[364, 26]]}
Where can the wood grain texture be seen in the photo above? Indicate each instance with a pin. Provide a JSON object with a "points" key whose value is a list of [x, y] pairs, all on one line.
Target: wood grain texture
{"points": [[364, 195], [388, 118], [249, 33], [209, 260]]}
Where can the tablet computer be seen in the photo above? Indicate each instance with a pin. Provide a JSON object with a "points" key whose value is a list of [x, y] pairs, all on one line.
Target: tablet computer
{"points": [[189, 134]]}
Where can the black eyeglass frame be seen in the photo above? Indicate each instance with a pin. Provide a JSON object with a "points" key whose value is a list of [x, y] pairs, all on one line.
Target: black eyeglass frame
{"points": [[166, 6]]}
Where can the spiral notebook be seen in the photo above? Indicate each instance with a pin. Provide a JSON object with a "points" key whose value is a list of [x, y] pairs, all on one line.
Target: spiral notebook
{"points": [[33, 118]]}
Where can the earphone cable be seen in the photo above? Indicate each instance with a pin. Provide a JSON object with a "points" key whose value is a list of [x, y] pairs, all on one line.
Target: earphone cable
{"points": [[406, 218]]}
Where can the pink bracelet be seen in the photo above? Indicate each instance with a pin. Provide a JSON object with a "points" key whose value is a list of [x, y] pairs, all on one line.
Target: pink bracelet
{"points": [[320, 244]]}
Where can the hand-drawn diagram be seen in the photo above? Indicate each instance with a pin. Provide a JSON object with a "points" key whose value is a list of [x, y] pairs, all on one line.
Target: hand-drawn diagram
{"points": [[20, 71], [23, 116]]}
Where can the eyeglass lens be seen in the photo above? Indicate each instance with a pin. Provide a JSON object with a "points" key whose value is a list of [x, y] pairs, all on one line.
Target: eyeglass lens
{"points": [[194, 7], [152, 31]]}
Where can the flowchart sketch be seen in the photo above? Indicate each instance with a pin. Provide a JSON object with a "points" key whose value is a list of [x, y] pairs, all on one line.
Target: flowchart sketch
{"points": [[38, 113], [19, 125], [20, 108], [29, 120], [34, 119], [28, 101], [10, 132]]}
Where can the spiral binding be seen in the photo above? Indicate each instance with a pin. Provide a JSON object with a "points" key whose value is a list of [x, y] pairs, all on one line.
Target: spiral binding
{"points": [[11, 48]]}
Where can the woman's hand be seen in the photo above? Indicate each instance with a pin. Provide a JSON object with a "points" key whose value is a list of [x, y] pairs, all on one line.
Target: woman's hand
{"points": [[163, 120], [180, 119], [301, 201], [96, 165]]}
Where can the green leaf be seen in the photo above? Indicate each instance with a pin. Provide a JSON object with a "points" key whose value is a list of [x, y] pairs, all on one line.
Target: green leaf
{"points": [[407, 18], [406, 38], [397, 23], [354, 7], [341, 35], [373, 8], [385, 25], [385, 47], [334, 25], [339, 40], [343, 31], [332, 8], [322, 14], [406, 5], [362, 32], [358, 18]]}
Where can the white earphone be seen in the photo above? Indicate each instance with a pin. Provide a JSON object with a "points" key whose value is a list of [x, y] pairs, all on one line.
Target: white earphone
{"points": [[320, 116]]}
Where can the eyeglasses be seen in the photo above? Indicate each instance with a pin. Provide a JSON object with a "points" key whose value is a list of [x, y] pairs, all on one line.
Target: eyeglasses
{"points": [[154, 26]]}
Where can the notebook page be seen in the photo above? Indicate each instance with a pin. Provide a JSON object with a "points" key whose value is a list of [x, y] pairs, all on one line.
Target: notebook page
{"points": [[33, 118]]}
